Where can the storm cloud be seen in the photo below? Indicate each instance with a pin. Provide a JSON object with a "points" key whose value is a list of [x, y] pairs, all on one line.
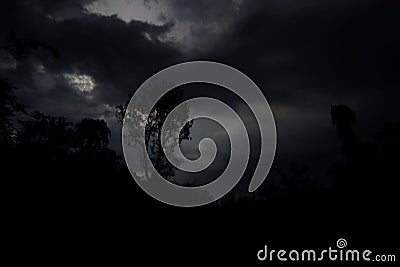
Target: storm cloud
{"points": [[304, 55]]}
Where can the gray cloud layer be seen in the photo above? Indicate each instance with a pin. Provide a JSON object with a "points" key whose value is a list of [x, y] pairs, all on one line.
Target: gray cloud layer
{"points": [[304, 55]]}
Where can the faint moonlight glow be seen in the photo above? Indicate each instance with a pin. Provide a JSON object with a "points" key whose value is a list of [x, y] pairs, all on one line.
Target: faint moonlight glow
{"points": [[81, 82], [128, 10]]}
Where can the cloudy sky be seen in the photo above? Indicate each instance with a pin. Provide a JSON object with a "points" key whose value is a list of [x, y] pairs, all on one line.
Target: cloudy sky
{"points": [[305, 55]]}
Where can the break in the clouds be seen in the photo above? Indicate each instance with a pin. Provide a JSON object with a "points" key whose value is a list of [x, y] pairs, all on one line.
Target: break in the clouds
{"points": [[103, 59], [81, 82], [195, 25]]}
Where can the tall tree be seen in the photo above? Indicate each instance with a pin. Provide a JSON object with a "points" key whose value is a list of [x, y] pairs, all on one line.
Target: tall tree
{"points": [[154, 126]]}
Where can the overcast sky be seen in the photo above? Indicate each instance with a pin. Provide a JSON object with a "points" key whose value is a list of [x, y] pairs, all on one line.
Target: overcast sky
{"points": [[304, 55]]}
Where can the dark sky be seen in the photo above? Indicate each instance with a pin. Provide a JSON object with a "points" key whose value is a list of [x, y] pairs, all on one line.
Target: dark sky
{"points": [[304, 55]]}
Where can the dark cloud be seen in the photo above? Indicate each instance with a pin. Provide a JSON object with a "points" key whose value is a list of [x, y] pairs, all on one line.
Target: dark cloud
{"points": [[304, 55], [117, 56], [308, 55]]}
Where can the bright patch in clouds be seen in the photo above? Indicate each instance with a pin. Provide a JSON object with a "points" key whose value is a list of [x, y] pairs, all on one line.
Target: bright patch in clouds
{"points": [[128, 10], [81, 82], [194, 27]]}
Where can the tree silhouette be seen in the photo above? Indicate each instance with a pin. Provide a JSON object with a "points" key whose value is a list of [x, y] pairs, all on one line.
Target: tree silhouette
{"points": [[343, 119], [92, 134], [50, 160], [359, 175], [154, 126], [9, 107], [46, 130]]}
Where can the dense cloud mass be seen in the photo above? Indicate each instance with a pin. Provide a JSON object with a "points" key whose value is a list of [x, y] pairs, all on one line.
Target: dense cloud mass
{"points": [[304, 55], [329, 70]]}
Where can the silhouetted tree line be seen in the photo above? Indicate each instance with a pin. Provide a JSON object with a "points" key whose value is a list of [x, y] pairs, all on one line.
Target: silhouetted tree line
{"points": [[49, 160], [52, 156], [52, 161]]}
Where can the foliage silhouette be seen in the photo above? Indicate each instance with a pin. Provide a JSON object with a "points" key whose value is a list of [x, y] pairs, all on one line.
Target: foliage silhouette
{"points": [[92, 135], [9, 107], [154, 126], [59, 164], [368, 177]]}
